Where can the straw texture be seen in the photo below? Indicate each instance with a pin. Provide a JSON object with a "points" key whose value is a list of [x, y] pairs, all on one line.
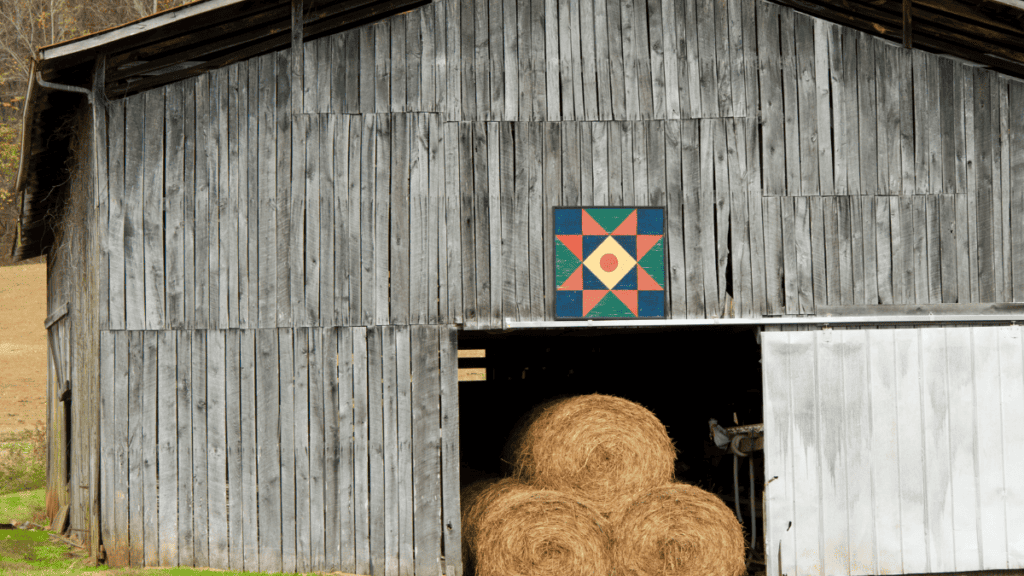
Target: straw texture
{"points": [[677, 530]]}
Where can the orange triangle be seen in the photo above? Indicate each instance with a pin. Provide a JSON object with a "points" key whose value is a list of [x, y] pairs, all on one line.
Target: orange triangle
{"points": [[574, 242], [627, 228], [628, 297], [591, 298], [644, 243], [644, 280], [574, 281], [591, 227]]}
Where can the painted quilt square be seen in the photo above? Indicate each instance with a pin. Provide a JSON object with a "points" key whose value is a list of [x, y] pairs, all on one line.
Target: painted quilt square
{"points": [[609, 263]]}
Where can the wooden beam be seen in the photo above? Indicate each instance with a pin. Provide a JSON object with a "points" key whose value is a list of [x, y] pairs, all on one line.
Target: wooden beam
{"points": [[56, 315], [908, 24]]}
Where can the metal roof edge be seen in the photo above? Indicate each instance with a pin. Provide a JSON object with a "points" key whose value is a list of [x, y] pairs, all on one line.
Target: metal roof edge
{"points": [[130, 29]]}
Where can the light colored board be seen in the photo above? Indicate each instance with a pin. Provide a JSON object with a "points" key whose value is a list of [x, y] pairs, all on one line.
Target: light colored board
{"points": [[286, 359], [790, 100], [493, 203], [691, 158], [220, 210], [888, 119], [167, 454], [754, 211], [301, 448], [602, 55], [331, 230], [737, 56], [614, 130], [550, 61], [656, 164], [830, 217], [313, 252], [324, 77], [985, 218], [905, 71], [248, 221], [772, 130], [882, 453], [819, 280], [451, 521], [453, 281], [807, 102], [844, 239], [837, 79], [705, 33], [514, 221], [706, 193], [676, 273], [987, 419], [135, 528], [884, 251], [575, 54], [722, 206], [538, 220], [481, 60], [897, 250], [495, 63], [331, 421], [912, 242], [781, 446], [316, 451], [347, 481], [116, 204], [921, 89], [851, 129], [1013, 449], [106, 425], [599, 157], [933, 125], [947, 222], [174, 244], [627, 131], [616, 63], [435, 76], [297, 248], [964, 461], [381, 65], [466, 57], [823, 95], [453, 55], [153, 218], [402, 207], [345, 274], [403, 371], [233, 416], [234, 223], [857, 445], [868, 114], [183, 424], [245, 502], [832, 428], [857, 249], [375, 450], [588, 53], [360, 254], [426, 448], [739, 237], [419, 189], [148, 431], [118, 497], [134, 257], [791, 276], [552, 197], [932, 254], [266, 155], [414, 61], [627, 26], [268, 456], [200, 452], [284, 195], [906, 366], [381, 207], [482, 223], [389, 454], [467, 221], [511, 62], [935, 418], [216, 447], [720, 26], [398, 62], [587, 164], [434, 231]]}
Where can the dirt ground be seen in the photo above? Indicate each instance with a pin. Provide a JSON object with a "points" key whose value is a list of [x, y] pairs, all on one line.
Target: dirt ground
{"points": [[22, 347]]}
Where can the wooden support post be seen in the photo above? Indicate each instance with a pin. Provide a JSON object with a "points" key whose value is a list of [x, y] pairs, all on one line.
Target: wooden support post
{"points": [[908, 28]]}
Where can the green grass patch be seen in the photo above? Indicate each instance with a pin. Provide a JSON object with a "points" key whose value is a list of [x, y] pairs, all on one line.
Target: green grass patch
{"points": [[27, 506], [22, 461]]}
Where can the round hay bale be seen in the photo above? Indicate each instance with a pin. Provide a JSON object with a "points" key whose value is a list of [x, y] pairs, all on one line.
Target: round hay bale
{"points": [[511, 529], [602, 450], [678, 530]]}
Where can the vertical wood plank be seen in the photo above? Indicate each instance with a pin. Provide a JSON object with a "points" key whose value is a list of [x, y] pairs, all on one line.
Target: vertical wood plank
{"points": [[246, 501], [691, 186], [402, 207], [856, 218], [868, 118], [345, 275], [467, 223], [706, 191], [1016, 190], [588, 53], [791, 277], [347, 465], [933, 247], [450, 506], [807, 102], [134, 257], [722, 207], [899, 264], [167, 454], [587, 164], [216, 444], [985, 364], [233, 414], [434, 229], [149, 484], [419, 188], [266, 155], [283, 194], [906, 345], [850, 107], [947, 222], [174, 244], [289, 521], [135, 528], [538, 220], [935, 418], [790, 99], [221, 288], [117, 216], [298, 250], [884, 421], [511, 62], [400, 57], [331, 230], [200, 451], [1001, 196], [312, 249], [301, 448], [381, 208], [552, 197], [184, 444], [966, 474], [367, 69], [482, 222], [390, 454], [907, 139], [883, 250], [268, 455], [832, 433], [403, 371], [454, 279], [833, 283], [496, 61], [317, 408], [453, 55], [818, 254], [237, 208], [1013, 451], [375, 446], [331, 420], [822, 94], [382, 67], [153, 206], [837, 78], [857, 445], [426, 448], [514, 174], [494, 216], [772, 130], [739, 235], [985, 217]]}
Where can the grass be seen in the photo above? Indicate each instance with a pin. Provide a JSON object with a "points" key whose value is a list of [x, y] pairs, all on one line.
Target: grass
{"points": [[23, 461]]}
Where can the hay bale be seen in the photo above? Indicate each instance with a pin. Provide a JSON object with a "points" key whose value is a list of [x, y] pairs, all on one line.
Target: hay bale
{"points": [[511, 529], [678, 530], [600, 449]]}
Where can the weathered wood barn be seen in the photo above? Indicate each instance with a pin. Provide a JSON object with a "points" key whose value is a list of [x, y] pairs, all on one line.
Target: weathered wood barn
{"points": [[267, 224]]}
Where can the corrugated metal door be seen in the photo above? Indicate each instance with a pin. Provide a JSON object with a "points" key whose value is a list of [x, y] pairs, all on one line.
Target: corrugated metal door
{"points": [[894, 451]]}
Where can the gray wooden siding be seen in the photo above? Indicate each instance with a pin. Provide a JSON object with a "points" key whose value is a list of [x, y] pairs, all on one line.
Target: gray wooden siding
{"points": [[210, 413], [814, 166], [894, 451]]}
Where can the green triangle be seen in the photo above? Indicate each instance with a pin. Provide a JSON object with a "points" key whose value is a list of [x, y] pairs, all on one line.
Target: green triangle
{"points": [[610, 307], [565, 263], [654, 262], [609, 218]]}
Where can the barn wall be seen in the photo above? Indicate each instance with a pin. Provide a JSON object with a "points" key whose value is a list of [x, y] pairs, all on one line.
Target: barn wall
{"points": [[815, 166], [71, 264], [894, 451], [294, 449]]}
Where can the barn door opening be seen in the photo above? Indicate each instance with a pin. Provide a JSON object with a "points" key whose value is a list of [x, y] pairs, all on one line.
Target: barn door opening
{"points": [[894, 451], [58, 473]]}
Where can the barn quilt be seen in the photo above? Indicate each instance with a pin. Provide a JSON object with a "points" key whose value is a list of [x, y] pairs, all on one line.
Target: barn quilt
{"points": [[609, 263]]}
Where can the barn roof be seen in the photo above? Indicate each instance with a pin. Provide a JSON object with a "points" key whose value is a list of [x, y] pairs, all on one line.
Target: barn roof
{"points": [[209, 34]]}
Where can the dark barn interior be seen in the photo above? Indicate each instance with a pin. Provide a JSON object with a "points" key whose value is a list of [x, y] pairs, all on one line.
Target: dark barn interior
{"points": [[684, 376]]}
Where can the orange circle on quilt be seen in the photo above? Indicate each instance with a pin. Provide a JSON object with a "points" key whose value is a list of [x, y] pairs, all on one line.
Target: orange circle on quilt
{"points": [[609, 262]]}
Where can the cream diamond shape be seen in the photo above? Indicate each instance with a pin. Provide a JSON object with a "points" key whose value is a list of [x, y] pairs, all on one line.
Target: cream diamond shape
{"points": [[612, 277]]}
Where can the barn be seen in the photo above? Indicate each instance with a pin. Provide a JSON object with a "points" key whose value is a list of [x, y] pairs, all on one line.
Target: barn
{"points": [[270, 226]]}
